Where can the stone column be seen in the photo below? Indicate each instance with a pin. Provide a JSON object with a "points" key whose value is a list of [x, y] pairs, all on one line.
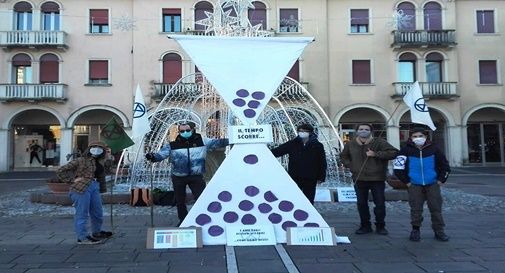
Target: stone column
{"points": [[455, 141], [36, 20], [65, 144], [5, 144], [464, 151]]}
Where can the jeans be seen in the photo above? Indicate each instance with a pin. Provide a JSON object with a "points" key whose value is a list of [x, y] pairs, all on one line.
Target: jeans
{"points": [[195, 183], [87, 204], [431, 193], [377, 187], [308, 188]]}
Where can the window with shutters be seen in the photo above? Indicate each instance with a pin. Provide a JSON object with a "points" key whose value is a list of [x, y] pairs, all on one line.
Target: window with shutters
{"points": [[21, 69], [98, 72], [288, 20], [409, 11], [171, 20], [432, 16], [407, 67], [485, 21], [361, 72], [258, 15], [434, 62], [49, 68], [360, 21], [172, 68], [200, 9], [488, 72], [50, 16], [99, 21], [23, 16]]}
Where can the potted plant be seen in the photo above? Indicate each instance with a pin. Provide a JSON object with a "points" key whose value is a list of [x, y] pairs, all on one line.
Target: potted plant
{"points": [[57, 186]]}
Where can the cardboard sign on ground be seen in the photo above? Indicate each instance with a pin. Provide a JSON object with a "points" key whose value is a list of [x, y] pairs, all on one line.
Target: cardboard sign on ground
{"points": [[170, 237], [312, 236]]}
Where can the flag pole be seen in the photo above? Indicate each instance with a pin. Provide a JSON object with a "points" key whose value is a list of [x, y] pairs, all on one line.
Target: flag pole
{"points": [[151, 194]]}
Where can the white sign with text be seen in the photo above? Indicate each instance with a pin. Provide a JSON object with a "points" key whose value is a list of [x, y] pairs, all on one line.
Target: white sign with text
{"points": [[312, 236], [163, 238], [239, 235], [346, 194], [250, 134]]}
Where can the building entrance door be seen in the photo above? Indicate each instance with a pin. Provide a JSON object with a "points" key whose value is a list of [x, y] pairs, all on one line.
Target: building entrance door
{"points": [[486, 143]]}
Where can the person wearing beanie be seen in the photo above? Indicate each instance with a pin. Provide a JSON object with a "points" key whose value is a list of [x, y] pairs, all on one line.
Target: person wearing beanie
{"points": [[423, 167], [307, 160], [367, 158], [87, 182]]}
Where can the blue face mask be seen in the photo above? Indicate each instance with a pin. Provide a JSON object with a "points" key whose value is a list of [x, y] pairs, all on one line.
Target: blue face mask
{"points": [[186, 134]]}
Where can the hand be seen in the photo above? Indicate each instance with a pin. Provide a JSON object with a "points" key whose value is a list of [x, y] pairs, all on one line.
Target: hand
{"points": [[150, 157], [409, 184], [370, 153]]}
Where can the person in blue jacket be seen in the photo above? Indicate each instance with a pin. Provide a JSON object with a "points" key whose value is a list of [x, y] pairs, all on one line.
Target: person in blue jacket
{"points": [[423, 167], [187, 154]]}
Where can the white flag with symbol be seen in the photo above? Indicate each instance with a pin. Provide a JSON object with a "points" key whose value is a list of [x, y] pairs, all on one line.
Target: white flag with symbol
{"points": [[419, 112], [140, 124]]}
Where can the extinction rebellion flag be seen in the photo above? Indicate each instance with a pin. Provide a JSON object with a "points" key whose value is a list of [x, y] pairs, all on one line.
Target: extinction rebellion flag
{"points": [[115, 137]]}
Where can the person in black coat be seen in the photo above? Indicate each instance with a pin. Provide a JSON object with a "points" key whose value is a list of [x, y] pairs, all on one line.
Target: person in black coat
{"points": [[307, 160]]}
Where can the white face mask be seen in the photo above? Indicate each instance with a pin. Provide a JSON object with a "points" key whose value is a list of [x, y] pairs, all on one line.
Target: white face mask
{"points": [[419, 141], [95, 151], [303, 134]]}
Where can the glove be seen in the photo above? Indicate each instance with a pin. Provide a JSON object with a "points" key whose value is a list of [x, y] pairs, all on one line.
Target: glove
{"points": [[150, 157]]}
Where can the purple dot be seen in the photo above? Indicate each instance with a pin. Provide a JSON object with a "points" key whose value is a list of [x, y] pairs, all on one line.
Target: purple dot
{"points": [[224, 196], [251, 191], [246, 205], [311, 225], [270, 196], [249, 113], [251, 159], [248, 219], [287, 224], [300, 215], [202, 219], [242, 93], [230, 217], [214, 207], [258, 95], [239, 102], [215, 231], [275, 218], [286, 206], [264, 208], [253, 104]]}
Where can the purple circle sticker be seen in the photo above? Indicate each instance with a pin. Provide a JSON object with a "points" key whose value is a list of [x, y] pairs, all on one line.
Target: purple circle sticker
{"points": [[251, 159], [251, 191], [248, 219], [249, 113], [242, 93], [246, 205], [214, 207], [202, 219], [286, 206], [253, 104], [230, 217], [215, 231], [270, 196], [258, 95], [311, 225], [287, 224], [275, 218], [224, 196], [239, 102], [300, 215], [265, 208]]}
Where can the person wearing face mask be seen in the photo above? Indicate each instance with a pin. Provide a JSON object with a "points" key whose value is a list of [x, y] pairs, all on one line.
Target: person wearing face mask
{"points": [[423, 167], [87, 182], [367, 158], [187, 153], [307, 160]]}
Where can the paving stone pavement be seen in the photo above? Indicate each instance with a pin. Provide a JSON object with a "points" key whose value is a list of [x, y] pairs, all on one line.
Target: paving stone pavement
{"points": [[39, 239]]}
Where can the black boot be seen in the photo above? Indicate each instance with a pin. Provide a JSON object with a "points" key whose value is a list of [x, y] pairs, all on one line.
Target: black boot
{"points": [[381, 229], [364, 229]]}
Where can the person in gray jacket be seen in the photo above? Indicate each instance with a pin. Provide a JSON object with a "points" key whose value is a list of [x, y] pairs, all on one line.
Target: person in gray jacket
{"points": [[187, 153], [368, 157]]}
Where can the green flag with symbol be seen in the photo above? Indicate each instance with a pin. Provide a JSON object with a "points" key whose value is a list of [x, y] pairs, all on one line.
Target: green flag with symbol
{"points": [[115, 137]]}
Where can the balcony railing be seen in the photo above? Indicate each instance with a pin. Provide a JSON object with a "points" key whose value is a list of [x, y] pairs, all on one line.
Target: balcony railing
{"points": [[42, 38], [424, 38], [432, 90], [33, 92]]}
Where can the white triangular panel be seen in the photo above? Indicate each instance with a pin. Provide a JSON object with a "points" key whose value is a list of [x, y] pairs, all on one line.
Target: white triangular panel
{"points": [[251, 188], [245, 71]]}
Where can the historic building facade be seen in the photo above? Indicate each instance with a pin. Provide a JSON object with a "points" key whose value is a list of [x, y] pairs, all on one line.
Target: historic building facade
{"points": [[67, 67]]}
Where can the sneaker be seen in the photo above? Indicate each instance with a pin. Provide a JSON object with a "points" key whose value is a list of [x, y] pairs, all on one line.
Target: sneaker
{"points": [[89, 241], [364, 229], [415, 235], [441, 236], [102, 234], [381, 230]]}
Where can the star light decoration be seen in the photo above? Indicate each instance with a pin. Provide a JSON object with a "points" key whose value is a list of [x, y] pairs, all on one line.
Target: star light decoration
{"points": [[230, 19], [401, 20], [124, 23]]}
